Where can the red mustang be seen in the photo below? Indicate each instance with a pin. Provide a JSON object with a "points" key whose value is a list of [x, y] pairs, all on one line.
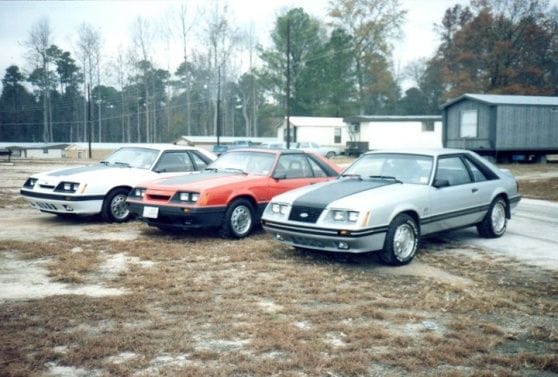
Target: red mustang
{"points": [[231, 193]]}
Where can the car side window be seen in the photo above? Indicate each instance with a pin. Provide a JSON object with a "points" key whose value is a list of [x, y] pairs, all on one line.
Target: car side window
{"points": [[295, 166], [317, 169], [200, 163], [174, 162], [453, 170], [477, 174]]}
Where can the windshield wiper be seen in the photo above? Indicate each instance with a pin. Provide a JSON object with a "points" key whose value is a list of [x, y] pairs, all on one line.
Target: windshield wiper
{"points": [[348, 175], [388, 177], [125, 164], [211, 169], [237, 170], [104, 162]]}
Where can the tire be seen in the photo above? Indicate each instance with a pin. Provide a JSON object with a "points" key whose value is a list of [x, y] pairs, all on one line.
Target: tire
{"points": [[239, 219], [401, 242], [330, 154], [115, 208], [495, 222]]}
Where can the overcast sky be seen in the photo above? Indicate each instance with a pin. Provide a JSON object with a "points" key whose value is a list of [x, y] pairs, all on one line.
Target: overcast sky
{"points": [[114, 19]]}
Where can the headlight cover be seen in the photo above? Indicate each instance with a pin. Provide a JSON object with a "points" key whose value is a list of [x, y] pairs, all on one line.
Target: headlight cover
{"points": [[137, 193], [344, 216], [277, 210], [67, 187], [187, 197], [30, 183]]}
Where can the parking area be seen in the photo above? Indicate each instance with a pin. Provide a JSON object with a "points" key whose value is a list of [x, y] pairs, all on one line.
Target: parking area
{"points": [[85, 298]]}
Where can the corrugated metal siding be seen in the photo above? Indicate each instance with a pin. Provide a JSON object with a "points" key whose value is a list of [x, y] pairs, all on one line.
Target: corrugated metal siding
{"points": [[526, 127], [452, 127]]}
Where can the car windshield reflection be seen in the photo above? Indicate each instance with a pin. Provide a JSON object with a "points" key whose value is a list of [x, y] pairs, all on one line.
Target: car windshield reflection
{"points": [[401, 167], [141, 158], [255, 163]]}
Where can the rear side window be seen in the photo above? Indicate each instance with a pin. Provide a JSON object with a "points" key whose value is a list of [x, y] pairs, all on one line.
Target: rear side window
{"points": [[199, 161], [479, 170], [317, 169], [477, 174]]}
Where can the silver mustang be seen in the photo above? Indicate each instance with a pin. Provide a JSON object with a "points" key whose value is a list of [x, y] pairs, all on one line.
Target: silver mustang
{"points": [[387, 200]]}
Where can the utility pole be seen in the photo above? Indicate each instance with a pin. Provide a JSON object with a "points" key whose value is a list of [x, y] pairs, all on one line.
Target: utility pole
{"points": [[288, 109], [89, 121], [219, 105]]}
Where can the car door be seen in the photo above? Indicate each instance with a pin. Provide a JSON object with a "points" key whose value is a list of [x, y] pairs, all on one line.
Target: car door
{"points": [[455, 199], [293, 171]]}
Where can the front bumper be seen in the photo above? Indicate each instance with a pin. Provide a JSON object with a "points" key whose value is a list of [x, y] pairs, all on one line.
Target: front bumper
{"points": [[64, 203], [327, 239], [180, 217]]}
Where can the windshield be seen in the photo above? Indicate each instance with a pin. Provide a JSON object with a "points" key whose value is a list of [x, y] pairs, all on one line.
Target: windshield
{"points": [[141, 158], [403, 167], [255, 163]]}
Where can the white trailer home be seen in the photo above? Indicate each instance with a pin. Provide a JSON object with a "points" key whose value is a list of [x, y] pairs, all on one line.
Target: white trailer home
{"points": [[321, 130], [395, 131]]}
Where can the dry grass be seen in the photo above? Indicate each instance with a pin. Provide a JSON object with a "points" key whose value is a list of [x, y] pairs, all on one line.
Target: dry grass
{"points": [[255, 308], [546, 189], [199, 305]]}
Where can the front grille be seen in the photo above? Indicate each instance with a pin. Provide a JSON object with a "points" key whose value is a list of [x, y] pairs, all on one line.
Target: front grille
{"points": [[305, 214], [47, 187], [160, 198]]}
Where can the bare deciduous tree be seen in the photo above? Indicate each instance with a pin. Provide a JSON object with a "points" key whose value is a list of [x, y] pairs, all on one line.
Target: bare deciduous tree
{"points": [[37, 44], [88, 52]]}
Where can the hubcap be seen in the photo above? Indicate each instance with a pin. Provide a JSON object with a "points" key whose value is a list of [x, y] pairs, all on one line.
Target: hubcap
{"points": [[118, 207], [404, 241], [241, 220], [498, 217]]}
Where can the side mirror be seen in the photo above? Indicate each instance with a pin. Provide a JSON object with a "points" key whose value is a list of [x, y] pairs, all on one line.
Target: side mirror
{"points": [[439, 183], [279, 175]]}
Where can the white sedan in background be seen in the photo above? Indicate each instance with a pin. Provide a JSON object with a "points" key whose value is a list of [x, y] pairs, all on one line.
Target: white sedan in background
{"points": [[386, 200], [102, 188], [308, 146]]}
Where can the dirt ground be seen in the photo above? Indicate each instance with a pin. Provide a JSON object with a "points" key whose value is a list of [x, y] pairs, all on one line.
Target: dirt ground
{"points": [[86, 298]]}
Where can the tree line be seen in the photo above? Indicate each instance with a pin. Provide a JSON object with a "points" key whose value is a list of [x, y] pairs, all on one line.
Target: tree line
{"points": [[338, 67]]}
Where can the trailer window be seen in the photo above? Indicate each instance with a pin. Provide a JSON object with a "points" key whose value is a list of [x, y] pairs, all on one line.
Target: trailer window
{"points": [[468, 123]]}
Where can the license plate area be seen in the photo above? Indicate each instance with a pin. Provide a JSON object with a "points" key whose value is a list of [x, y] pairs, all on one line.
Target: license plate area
{"points": [[150, 212]]}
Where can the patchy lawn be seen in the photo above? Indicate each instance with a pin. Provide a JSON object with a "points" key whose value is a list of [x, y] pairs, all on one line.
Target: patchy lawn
{"points": [[198, 305], [127, 300]]}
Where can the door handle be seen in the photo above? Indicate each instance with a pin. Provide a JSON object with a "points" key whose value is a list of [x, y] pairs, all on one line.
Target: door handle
{"points": [[474, 190]]}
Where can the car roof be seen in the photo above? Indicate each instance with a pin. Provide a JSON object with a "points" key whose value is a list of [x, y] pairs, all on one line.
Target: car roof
{"points": [[160, 146], [434, 152], [268, 150]]}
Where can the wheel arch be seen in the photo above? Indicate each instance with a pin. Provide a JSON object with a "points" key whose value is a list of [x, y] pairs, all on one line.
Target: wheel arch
{"points": [[250, 198], [407, 210], [503, 195], [125, 187], [414, 215]]}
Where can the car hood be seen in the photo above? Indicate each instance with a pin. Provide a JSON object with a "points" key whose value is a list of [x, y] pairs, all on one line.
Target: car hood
{"points": [[201, 181], [349, 193], [91, 173]]}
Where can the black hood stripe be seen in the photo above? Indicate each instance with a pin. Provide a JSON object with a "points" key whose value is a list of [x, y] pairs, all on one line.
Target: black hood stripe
{"points": [[322, 196], [78, 170], [192, 178]]}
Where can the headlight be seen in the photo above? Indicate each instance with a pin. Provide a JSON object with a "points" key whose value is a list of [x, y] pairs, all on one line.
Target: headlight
{"points": [[69, 187], [345, 216], [188, 197], [30, 183], [138, 192], [279, 209]]}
